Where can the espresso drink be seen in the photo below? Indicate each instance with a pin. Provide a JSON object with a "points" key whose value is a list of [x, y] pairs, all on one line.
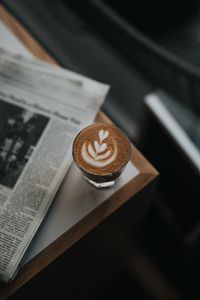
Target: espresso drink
{"points": [[101, 151]]}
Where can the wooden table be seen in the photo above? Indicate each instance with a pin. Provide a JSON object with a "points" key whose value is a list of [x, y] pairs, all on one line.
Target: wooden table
{"points": [[144, 183]]}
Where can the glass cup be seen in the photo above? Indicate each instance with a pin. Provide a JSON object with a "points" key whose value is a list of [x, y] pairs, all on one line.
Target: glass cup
{"points": [[101, 151]]}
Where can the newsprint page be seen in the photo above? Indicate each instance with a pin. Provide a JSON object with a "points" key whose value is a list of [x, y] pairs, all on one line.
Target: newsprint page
{"points": [[42, 108]]}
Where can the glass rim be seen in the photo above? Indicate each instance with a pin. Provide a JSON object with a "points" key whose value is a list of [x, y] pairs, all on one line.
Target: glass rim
{"points": [[104, 174]]}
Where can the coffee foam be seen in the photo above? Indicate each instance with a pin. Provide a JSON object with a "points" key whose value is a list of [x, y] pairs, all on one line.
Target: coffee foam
{"points": [[101, 149], [98, 153]]}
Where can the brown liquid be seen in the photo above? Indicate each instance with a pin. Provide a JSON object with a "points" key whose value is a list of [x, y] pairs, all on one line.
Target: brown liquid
{"points": [[101, 151]]}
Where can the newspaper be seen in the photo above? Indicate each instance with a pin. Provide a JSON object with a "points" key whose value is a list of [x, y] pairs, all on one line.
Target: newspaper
{"points": [[42, 108]]}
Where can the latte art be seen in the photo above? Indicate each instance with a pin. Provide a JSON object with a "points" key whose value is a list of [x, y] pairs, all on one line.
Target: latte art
{"points": [[98, 153]]}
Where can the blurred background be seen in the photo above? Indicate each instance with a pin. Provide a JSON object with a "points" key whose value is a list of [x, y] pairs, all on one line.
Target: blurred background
{"points": [[149, 53]]}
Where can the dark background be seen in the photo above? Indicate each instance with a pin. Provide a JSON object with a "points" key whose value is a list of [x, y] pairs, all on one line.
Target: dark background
{"points": [[156, 47]]}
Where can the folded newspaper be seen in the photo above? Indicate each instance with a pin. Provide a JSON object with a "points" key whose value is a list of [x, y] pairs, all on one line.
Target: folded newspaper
{"points": [[42, 107]]}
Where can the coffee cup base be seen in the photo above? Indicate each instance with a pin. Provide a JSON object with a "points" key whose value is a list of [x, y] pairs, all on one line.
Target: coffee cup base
{"points": [[100, 185]]}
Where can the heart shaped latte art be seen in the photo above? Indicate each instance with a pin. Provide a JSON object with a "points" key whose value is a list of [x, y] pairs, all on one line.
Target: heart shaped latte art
{"points": [[97, 153]]}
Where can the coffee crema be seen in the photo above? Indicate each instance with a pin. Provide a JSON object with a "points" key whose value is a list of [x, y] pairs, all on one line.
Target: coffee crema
{"points": [[101, 149]]}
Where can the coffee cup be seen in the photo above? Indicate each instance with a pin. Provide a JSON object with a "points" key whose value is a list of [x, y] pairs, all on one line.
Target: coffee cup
{"points": [[101, 151]]}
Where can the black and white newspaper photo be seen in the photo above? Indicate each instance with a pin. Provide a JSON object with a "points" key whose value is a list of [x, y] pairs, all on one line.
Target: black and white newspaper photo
{"points": [[20, 130], [42, 108]]}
